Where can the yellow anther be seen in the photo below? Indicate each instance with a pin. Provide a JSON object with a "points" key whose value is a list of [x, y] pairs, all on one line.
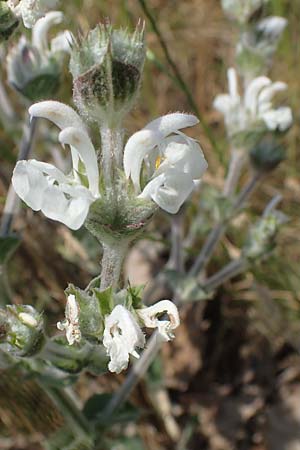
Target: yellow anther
{"points": [[158, 162]]}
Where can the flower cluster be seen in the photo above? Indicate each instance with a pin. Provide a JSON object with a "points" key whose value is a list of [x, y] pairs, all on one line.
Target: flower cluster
{"points": [[255, 107], [122, 335]]}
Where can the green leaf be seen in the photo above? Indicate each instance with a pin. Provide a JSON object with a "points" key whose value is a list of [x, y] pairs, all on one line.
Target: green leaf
{"points": [[134, 297], [105, 299], [8, 246], [94, 411]]}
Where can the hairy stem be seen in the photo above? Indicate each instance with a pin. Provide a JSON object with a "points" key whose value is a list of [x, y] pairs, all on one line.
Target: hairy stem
{"points": [[12, 200], [112, 260], [237, 161], [112, 153]]}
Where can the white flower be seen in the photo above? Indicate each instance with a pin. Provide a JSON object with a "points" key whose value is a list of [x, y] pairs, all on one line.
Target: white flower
{"points": [[71, 322], [256, 105], [62, 42], [241, 10], [122, 335], [31, 10], [173, 161], [165, 327], [45, 188]]}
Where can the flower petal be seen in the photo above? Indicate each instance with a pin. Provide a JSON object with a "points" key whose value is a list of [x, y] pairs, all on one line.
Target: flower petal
{"points": [[70, 210], [81, 141], [169, 190], [171, 123], [122, 335], [252, 92], [136, 149], [60, 114], [30, 184], [278, 119], [41, 28], [185, 154], [34, 182], [165, 327]]}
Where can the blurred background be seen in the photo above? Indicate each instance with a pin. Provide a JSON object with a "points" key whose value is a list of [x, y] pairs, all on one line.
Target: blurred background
{"points": [[231, 378]]}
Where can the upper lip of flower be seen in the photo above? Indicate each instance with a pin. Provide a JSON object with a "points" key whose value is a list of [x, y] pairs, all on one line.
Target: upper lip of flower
{"points": [[45, 187]]}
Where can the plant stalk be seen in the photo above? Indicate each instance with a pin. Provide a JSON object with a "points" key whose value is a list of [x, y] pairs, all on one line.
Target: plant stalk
{"points": [[220, 228], [112, 260]]}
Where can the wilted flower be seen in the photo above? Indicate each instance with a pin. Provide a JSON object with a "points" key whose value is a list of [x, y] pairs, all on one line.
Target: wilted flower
{"points": [[149, 316], [71, 322], [45, 188], [34, 68], [122, 336], [242, 113], [31, 10], [173, 161]]}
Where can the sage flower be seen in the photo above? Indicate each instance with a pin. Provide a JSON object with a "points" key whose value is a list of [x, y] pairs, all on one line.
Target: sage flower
{"points": [[34, 68], [71, 323], [122, 336], [43, 187], [173, 161], [150, 319], [242, 113], [31, 10]]}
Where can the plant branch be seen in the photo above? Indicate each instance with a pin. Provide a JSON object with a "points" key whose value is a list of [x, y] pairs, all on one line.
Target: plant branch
{"points": [[220, 228]]}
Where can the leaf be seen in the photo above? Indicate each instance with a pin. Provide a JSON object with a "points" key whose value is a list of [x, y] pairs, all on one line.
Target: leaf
{"points": [[8, 246], [134, 297], [105, 299], [95, 406]]}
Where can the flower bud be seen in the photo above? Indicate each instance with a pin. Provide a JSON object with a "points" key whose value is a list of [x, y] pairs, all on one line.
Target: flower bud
{"points": [[107, 67], [267, 155], [8, 21], [21, 330], [30, 74]]}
